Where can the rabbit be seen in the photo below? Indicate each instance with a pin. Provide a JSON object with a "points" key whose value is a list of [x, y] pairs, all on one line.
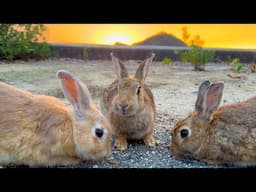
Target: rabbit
{"points": [[129, 105], [39, 130], [253, 68], [225, 135]]}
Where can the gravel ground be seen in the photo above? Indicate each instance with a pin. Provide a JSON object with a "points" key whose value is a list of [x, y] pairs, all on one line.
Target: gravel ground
{"points": [[174, 88]]}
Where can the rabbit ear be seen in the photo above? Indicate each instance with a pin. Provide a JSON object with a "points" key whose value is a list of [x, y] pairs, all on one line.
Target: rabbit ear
{"points": [[76, 92], [213, 97], [200, 96], [119, 66], [142, 71], [212, 100]]}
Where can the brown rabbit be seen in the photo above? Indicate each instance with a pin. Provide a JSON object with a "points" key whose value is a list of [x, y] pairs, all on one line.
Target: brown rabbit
{"points": [[39, 130], [130, 106], [253, 68], [217, 136]]}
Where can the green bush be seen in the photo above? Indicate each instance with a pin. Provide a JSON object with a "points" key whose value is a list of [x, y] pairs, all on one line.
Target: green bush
{"points": [[233, 61], [235, 65], [85, 53], [176, 52], [167, 60], [238, 68], [20, 41], [197, 57]]}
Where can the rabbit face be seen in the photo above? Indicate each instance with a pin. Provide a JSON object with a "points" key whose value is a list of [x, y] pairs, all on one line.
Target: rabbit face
{"points": [[130, 96], [127, 102], [91, 130], [188, 137], [92, 137]]}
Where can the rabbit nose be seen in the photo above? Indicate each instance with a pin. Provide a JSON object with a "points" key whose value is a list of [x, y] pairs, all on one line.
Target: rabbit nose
{"points": [[123, 107], [99, 132]]}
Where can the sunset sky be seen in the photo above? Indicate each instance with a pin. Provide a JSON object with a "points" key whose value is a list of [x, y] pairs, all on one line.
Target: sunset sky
{"points": [[241, 36]]}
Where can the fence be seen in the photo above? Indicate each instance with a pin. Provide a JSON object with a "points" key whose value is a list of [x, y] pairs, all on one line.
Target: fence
{"points": [[100, 52]]}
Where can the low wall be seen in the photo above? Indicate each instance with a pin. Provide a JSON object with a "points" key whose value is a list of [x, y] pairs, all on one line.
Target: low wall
{"points": [[95, 52]]}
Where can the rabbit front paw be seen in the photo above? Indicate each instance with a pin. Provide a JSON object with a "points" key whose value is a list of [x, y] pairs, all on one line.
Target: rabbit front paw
{"points": [[150, 140], [120, 143]]}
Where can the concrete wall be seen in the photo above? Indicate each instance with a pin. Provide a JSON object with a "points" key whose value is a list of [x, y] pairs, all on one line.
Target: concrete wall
{"points": [[94, 52]]}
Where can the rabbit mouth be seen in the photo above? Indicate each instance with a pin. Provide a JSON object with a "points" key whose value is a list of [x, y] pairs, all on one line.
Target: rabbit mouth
{"points": [[125, 113], [187, 156], [184, 156]]}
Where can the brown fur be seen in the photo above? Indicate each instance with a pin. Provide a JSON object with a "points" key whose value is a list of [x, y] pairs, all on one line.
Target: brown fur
{"points": [[139, 122], [229, 137], [136, 126], [253, 68], [39, 130]]}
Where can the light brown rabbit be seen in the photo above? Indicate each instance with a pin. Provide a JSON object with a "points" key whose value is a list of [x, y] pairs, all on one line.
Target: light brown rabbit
{"points": [[39, 130], [129, 104], [217, 136]]}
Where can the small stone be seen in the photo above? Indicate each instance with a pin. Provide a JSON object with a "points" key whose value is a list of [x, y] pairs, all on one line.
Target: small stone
{"points": [[112, 161], [159, 141]]}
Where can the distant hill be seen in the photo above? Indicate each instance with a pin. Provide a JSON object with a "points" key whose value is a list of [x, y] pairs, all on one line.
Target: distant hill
{"points": [[119, 43], [163, 39]]}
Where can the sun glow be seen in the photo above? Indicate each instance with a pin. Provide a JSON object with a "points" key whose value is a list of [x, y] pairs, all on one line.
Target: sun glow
{"points": [[114, 38], [239, 36]]}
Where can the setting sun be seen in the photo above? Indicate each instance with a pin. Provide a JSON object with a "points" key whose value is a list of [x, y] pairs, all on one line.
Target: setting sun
{"points": [[116, 37], [241, 36]]}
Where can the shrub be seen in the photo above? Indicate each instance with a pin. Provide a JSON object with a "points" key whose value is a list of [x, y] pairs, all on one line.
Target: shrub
{"points": [[176, 52], [238, 68], [197, 57], [21, 41], [167, 60], [235, 65], [233, 61], [189, 40], [85, 54]]}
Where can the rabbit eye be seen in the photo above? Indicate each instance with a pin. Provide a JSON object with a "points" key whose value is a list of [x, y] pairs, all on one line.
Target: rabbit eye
{"points": [[99, 132], [184, 133], [138, 90]]}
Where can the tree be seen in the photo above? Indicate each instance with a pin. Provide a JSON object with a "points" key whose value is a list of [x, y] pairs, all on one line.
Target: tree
{"points": [[185, 35], [193, 41], [21, 41]]}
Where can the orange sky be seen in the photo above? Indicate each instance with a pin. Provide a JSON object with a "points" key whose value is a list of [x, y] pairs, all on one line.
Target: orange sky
{"points": [[215, 35]]}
